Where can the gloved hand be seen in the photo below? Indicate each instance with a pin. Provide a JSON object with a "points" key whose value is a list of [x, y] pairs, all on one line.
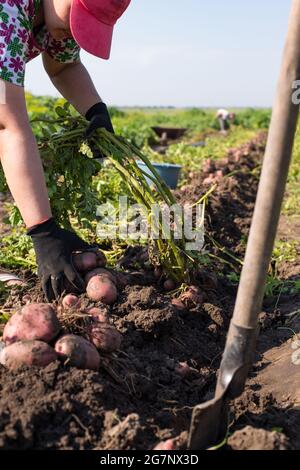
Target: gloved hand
{"points": [[54, 247], [99, 117]]}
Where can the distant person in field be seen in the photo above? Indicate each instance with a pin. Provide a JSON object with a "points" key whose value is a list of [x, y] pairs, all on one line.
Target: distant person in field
{"points": [[57, 29], [225, 119]]}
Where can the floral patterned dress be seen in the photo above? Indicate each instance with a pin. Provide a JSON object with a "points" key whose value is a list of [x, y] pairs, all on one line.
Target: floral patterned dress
{"points": [[20, 42]]}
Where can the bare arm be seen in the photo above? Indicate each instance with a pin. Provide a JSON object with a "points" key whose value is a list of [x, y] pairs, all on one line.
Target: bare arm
{"points": [[20, 158], [73, 82]]}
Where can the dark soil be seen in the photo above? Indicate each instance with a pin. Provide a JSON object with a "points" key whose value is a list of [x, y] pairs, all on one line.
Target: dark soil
{"points": [[141, 396]]}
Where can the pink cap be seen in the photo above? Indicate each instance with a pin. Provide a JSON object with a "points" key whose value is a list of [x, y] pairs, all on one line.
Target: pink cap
{"points": [[92, 24]]}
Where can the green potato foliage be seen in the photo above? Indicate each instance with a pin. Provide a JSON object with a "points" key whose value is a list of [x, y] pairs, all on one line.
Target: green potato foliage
{"points": [[72, 177]]}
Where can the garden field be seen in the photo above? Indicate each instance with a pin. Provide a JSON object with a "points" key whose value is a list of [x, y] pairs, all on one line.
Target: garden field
{"points": [[170, 314]]}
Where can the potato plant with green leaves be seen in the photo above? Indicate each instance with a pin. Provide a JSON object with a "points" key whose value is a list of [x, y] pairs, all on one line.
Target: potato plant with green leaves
{"points": [[71, 169]]}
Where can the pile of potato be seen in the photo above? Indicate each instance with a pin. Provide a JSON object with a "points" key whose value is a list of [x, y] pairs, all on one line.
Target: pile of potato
{"points": [[101, 284], [34, 335]]}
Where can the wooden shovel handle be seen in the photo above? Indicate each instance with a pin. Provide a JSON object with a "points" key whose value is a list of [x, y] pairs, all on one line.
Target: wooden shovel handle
{"points": [[272, 183]]}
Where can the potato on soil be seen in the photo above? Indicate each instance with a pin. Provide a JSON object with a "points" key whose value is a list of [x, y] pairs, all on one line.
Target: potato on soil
{"points": [[78, 352], [158, 272], [98, 314], [178, 304], [102, 289], [183, 369], [101, 259], [105, 337], [169, 285], [166, 445], [84, 262], [105, 273], [32, 322], [71, 301], [192, 297], [27, 353]]}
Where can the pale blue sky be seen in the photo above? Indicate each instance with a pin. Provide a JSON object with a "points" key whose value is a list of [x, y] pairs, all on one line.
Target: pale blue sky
{"points": [[188, 53]]}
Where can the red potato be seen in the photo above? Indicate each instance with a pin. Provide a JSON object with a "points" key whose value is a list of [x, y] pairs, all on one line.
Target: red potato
{"points": [[105, 273], [101, 289], [101, 259], [158, 272], [105, 337], [78, 352], [169, 285], [118, 278], [178, 304], [84, 262], [98, 314], [27, 353], [165, 445], [32, 322], [192, 297], [71, 301], [183, 369]]}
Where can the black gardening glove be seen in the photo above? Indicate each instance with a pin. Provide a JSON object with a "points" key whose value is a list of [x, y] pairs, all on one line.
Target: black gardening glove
{"points": [[54, 247], [99, 118]]}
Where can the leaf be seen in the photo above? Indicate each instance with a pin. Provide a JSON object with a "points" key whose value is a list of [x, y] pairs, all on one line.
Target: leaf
{"points": [[61, 112], [46, 133]]}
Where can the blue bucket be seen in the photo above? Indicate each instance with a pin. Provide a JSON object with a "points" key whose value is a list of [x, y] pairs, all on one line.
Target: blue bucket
{"points": [[168, 172]]}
